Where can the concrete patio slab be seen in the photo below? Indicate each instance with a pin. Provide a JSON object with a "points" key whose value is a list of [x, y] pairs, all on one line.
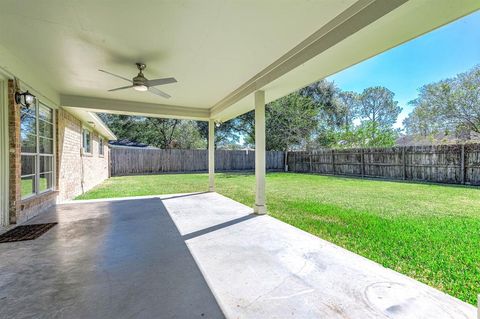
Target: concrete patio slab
{"points": [[198, 255]]}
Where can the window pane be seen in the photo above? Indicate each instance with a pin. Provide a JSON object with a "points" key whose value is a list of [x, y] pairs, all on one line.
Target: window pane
{"points": [[45, 182], [46, 146], [28, 110], [45, 129], [29, 144], [28, 129], [100, 146], [87, 141], [28, 164], [46, 164], [45, 113], [27, 124], [28, 186]]}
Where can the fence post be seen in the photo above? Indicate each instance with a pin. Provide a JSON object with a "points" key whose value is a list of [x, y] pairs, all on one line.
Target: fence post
{"points": [[404, 162], [362, 158], [462, 165], [294, 161], [310, 157], [333, 162]]}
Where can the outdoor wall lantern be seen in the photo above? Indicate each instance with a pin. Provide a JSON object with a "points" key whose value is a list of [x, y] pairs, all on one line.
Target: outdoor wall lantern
{"points": [[25, 98]]}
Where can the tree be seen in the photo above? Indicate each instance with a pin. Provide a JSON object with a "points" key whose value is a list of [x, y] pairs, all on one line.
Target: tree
{"points": [[125, 126], [348, 105], [162, 133], [325, 94], [225, 133], [291, 120], [244, 125], [376, 106], [448, 105], [187, 136], [423, 120]]}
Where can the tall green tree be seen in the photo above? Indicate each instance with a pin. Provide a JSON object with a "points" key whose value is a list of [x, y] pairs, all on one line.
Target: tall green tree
{"points": [[291, 120], [187, 136], [225, 133], [348, 108], [377, 106], [324, 94], [160, 132], [448, 105]]}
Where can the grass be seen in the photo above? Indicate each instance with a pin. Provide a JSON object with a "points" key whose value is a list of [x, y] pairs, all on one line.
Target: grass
{"points": [[26, 186], [426, 231]]}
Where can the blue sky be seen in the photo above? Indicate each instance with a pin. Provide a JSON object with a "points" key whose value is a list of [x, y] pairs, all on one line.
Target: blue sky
{"points": [[437, 55]]}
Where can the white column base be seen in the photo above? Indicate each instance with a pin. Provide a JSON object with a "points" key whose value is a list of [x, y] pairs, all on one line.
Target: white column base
{"points": [[260, 209]]}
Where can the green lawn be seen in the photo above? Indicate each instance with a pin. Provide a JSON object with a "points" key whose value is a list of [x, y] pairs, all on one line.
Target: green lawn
{"points": [[429, 232]]}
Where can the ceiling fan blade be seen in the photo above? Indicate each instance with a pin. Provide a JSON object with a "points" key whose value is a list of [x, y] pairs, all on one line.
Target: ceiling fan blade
{"points": [[122, 88], [118, 76], [161, 81], [158, 92]]}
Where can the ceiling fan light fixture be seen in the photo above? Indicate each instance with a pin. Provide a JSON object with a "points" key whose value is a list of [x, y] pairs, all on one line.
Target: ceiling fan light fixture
{"points": [[141, 83], [141, 88]]}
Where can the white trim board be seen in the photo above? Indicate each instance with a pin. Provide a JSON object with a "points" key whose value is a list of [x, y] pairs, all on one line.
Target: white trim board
{"points": [[4, 152]]}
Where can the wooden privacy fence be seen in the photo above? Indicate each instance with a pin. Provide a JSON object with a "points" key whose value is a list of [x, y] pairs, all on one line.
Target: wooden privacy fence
{"points": [[131, 161], [455, 164]]}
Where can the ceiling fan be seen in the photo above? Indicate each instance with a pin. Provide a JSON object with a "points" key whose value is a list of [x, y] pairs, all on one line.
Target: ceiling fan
{"points": [[141, 83]]}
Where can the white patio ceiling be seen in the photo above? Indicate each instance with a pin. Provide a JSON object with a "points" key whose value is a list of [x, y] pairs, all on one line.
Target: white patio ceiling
{"points": [[220, 51]]}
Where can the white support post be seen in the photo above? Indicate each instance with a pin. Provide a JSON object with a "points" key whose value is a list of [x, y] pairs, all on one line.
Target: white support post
{"points": [[260, 207], [211, 155]]}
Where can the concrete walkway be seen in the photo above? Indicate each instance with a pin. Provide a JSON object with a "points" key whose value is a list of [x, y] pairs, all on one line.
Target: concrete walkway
{"points": [[198, 256]]}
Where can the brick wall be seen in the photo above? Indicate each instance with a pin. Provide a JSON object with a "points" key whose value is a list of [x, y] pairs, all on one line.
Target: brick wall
{"points": [[14, 153], [75, 173]]}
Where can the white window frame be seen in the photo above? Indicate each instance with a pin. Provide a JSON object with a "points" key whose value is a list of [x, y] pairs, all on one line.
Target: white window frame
{"points": [[37, 154], [90, 137], [101, 146]]}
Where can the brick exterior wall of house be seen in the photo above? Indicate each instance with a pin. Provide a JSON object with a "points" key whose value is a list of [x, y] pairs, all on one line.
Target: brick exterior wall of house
{"points": [[75, 173]]}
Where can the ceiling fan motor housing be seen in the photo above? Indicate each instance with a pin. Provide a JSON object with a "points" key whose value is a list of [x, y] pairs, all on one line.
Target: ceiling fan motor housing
{"points": [[139, 80], [140, 83]]}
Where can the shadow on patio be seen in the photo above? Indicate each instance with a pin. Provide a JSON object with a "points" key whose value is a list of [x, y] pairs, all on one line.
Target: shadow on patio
{"points": [[119, 259]]}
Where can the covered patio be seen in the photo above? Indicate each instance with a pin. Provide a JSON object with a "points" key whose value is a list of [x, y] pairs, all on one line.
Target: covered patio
{"points": [[195, 255], [198, 255], [227, 57]]}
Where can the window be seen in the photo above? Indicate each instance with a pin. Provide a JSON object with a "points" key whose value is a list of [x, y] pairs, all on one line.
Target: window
{"points": [[87, 141], [100, 146], [37, 140]]}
